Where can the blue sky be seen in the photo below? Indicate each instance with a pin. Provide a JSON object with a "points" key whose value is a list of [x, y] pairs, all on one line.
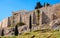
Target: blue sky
{"points": [[7, 6]]}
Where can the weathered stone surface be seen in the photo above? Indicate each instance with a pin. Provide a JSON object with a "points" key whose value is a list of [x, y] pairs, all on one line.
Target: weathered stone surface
{"points": [[23, 29], [49, 17], [9, 31], [0, 31]]}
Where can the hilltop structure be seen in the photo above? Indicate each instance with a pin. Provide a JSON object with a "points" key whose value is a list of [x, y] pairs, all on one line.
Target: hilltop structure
{"points": [[47, 17]]}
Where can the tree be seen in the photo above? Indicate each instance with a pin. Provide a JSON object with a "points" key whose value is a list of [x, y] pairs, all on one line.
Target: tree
{"points": [[47, 4], [38, 5], [44, 4], [30, 24], [2, 34], [16, 30]]}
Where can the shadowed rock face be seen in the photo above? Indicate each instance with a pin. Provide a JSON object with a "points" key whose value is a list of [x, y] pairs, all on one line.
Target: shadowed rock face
{"points": [[45, 18], [0, 31]]}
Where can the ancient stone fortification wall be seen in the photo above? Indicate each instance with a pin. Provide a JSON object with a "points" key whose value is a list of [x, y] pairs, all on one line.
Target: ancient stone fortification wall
{"points": [[43, 18]]}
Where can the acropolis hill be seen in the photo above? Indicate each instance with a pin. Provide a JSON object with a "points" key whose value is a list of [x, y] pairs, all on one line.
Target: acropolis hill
{"points": [[46, 17]]}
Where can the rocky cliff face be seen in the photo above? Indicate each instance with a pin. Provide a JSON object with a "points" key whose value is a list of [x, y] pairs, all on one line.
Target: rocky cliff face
{"points": [[49, 17]]}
